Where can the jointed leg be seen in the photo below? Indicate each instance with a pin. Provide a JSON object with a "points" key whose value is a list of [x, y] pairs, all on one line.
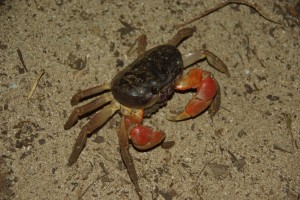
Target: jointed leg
{"points": [[142, 137], [142, 43], [212, 59], [215, 104], [87, 93], [97, 103], [127, 158], [97, 121], [181, 35], [139, 45]]}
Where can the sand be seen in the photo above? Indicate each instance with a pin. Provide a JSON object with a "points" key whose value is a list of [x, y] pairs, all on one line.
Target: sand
{"points": [[249, 150]]}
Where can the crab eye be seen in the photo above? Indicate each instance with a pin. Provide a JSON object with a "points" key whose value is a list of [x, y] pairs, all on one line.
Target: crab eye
{"points": [[154, 90]]}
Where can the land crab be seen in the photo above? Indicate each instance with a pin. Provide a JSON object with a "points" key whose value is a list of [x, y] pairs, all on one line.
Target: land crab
{"points": [[144, 86]]}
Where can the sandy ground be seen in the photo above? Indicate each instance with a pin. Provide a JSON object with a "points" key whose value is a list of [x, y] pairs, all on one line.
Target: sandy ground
{"points": [[251, 149]]}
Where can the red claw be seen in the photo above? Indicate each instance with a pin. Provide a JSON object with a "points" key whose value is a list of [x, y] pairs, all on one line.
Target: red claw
{"points": [[143, 137], [207, 88]]}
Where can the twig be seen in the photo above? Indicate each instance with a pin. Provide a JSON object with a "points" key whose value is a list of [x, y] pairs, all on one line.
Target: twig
{"points": [[35, 83], [200, 174], [97, 179], [223, 4], [21, 59], [288, 122]]}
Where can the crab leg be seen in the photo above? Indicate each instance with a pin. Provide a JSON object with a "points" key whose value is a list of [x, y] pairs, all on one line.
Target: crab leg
{"points": [[127, 158], [97, 121], [139, 45], [181, 35], [207, 89], [142, 137], [215, 104], [212, 59], [97, 103], [87, 93]]}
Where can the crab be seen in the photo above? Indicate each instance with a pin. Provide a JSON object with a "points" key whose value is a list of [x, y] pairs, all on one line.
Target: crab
{"points": [[141, 89], [144, 86]]}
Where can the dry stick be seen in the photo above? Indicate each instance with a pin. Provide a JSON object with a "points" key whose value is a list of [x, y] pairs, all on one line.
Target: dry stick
{"points": [[288, 122], [201, 173], [35, 83], [97, 179], [223, 4], [21, 59]]}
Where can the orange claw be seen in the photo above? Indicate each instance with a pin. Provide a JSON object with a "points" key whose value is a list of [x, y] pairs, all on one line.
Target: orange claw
{"points": [[207, 88], [191, 80], [143, 137]]}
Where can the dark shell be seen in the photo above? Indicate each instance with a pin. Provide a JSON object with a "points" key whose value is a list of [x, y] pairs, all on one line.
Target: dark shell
{"points": [[149, 79]]}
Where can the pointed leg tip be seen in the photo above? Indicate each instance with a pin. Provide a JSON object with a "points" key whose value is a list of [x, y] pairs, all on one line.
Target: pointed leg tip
{"points": [[70, 164], [69, 124], [227, 73], [72, 120], [72, 159], [211, 114], [179, 117], [67, 127], [75, 100], [172, 118]]}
